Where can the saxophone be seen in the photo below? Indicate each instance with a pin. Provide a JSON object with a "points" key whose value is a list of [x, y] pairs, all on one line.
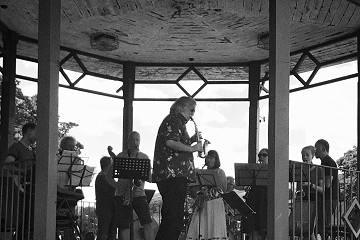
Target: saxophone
{"points": [[199, 139]]}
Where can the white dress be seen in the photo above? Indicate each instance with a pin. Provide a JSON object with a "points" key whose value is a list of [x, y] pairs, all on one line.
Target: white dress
{"points": [[212, 217], [212, 221]]}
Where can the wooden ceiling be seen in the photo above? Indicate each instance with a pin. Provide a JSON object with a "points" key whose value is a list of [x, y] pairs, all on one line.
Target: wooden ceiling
{"points": [[187, 31]]}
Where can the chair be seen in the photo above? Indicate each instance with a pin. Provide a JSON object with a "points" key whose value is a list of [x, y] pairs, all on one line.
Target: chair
{"points": [[66, 219]]}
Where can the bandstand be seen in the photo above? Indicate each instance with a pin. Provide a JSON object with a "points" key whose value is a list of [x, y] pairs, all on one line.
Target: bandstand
{"points": [[258, 44]]}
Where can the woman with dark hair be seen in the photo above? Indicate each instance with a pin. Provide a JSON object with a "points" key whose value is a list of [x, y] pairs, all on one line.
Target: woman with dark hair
{"points": [[212, 161], [209, 219]]}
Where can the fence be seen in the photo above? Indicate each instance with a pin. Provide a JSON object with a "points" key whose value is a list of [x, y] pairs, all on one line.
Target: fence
{"points": [[323, 201], [17, 200], [313, 209]]}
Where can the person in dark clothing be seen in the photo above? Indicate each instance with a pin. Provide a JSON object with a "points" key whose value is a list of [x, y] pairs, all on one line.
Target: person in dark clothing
{"points": [[105, 210], [21, 158], [331, 186], [174, 166], [257, 199]]}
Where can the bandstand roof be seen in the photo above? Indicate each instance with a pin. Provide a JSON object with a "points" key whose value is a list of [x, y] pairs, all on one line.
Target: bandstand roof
{"points": [[185, 32]]}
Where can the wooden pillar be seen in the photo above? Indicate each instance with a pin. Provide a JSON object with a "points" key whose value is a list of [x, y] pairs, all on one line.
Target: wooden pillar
{"points": [[254, 92], [129, 91], [8, 90], [279, 68], [47, 103]]}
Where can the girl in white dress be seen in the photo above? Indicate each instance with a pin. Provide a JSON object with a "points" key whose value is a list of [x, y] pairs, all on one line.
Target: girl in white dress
{"points": [[210, 205]]}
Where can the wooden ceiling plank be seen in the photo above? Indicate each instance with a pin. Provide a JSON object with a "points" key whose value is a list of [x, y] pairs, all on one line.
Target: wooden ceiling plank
{"points": [[140, 5], [299, 10], [315, 10], [255, 10], [84, 10], [93, 6], [113, 5], [233, 6], [105, 8], [340, 13], [220, 5], [325, 5], [122, 5], [264, 8], [90, 8], [227, 33], [131, 6], [308, 9], [248, 6], [72, 11], [355, 18], [335, 5], [349, 12]]}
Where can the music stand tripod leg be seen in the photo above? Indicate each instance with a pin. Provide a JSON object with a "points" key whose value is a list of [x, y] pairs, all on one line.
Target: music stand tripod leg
{"points": [[131, 211], [130, 168]]}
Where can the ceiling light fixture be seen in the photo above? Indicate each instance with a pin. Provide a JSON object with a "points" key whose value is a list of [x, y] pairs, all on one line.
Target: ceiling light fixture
{"points": [[104, 41], [263, 41]]}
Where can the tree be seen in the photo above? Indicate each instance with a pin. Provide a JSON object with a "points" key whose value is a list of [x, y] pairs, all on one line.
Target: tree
{"points": [[25, 111], [349, 160], [348, 181]]}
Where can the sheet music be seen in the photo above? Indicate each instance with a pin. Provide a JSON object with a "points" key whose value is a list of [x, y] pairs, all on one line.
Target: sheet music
{"points": [[131, 168], [67, 153], [81, 175], [206, 177], [251, 174], [72, 171], [69, 158]]}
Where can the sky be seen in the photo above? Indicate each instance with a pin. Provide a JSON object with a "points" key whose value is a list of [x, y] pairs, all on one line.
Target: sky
{"points": [[328, 112]]}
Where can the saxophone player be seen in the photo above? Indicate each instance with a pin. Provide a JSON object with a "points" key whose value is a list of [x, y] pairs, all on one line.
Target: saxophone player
{"points": [[173, 165]]}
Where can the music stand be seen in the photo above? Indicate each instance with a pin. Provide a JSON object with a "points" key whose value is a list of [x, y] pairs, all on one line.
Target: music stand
{"points": [[251, 174], [235, 202], [71, 173], [81, 175], [149, 194], [68, 164], [206, 177], [131, 168]]}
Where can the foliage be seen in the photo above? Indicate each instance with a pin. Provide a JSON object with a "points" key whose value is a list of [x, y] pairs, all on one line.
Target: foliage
{"points": [[348, 180], [25, 111], [64, 128], [349, 160], [88, 219]]}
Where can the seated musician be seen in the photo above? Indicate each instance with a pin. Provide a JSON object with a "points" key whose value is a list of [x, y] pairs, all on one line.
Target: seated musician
{"points": [[256, 197], [230, 184], [67, 155], [209, 205]]}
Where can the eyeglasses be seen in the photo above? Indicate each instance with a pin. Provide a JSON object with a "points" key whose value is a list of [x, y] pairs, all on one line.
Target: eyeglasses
{"points": [[262, 155]]}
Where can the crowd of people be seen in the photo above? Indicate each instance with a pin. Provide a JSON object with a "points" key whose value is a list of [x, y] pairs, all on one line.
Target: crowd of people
{"points": [[173, 170]]}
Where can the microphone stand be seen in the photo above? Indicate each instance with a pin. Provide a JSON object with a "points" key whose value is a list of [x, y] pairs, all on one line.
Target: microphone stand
{"points": [[201, 203]]}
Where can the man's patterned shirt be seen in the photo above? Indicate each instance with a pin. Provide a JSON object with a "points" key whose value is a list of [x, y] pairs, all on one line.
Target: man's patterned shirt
{"points": [[170, 163]]}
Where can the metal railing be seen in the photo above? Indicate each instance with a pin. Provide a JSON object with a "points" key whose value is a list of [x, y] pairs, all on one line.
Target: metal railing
{"points": [[17, 200], [333, 213], [316, 208]]}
